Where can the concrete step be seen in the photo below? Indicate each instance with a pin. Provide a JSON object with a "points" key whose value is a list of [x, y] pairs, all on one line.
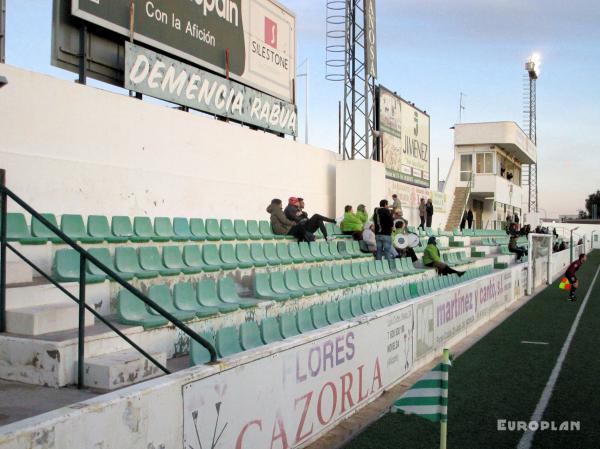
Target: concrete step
{"points": [[38, 295], [44, 319], [120, 369], [18, 272]]}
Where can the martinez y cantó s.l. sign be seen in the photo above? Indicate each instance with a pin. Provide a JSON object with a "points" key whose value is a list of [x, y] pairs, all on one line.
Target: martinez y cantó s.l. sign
{"points": [[162, 77]]}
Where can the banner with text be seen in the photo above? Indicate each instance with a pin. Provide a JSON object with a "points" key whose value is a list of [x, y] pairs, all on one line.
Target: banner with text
{"points": [[252, 40], [162, 77], [404, 131], [291, 396]]}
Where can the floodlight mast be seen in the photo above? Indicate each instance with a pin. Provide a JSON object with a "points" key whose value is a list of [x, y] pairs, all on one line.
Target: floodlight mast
{"points": [[532, 66]]}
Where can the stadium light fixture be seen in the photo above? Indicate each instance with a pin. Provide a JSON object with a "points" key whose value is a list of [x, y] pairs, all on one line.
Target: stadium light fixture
{"points": [[533, 65]]}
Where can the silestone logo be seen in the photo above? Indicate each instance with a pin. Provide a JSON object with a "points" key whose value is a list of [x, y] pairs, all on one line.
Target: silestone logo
{"points": [[270, 32], [504, 425]]}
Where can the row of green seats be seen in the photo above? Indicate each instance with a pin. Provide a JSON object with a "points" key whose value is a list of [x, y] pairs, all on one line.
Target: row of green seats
{"points": [[456, 258], [479, 232], [188, 301], [142, 229], [292, 284], [432, 285], [494, 241], [149, 261], [332, 230], [232, 340]]}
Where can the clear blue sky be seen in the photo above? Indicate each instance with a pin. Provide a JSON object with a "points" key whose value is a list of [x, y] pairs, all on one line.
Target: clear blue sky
{"points": [[429, 52]]}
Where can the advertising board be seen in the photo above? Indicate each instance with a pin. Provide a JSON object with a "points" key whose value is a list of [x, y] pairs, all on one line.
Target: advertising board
{"points": [[253, 41], [404, 134]]}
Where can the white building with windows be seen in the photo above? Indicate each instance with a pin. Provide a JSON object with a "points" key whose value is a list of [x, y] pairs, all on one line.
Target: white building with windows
{"points": [[486, 173]]}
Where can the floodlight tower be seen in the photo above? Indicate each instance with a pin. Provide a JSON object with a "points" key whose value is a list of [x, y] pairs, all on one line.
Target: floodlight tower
{"points": [[532, 66]]}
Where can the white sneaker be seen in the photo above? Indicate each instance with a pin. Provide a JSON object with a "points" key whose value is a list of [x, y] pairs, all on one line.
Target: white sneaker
{"points": [[329, 238]]}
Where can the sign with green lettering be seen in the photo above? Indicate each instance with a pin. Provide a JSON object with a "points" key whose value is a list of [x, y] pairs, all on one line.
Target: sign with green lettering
{"points": [[252, 41]]}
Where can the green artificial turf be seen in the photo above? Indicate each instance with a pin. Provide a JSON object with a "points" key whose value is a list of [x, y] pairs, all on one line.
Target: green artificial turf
{"points": [[501, 378]]}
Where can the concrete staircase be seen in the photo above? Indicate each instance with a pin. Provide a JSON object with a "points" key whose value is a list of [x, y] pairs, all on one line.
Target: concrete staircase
{"points": [[455, 215]]}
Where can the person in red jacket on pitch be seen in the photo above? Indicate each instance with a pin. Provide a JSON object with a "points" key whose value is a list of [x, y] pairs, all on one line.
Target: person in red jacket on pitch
{"points": [[570, 275]]}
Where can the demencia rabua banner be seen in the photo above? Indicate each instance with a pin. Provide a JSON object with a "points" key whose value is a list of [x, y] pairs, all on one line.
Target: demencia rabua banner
{"points": [[162, 77]]}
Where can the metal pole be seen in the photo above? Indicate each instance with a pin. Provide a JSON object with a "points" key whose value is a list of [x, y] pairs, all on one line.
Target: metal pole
{"points": [[82, 54], [306, 104], [339, 128], [353, 81], [3, 251], [438, 175], [2, 31], [81, 335], [571, 247]]}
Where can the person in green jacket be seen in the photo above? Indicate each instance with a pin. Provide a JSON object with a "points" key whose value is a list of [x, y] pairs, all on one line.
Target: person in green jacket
{"points": [[431, 258], [361, 213], [351, 224]]}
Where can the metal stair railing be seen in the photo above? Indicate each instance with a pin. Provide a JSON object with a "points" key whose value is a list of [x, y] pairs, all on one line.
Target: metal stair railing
{"points": [[84, 257]]}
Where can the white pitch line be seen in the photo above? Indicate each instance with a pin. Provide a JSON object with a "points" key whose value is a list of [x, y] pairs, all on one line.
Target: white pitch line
{"points": [[527, 438], [534, 342]]}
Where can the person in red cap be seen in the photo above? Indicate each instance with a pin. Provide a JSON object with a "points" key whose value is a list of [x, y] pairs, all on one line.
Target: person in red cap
{"points": [[295, 213]]}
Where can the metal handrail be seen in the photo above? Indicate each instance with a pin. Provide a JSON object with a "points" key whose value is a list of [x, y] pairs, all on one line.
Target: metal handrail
{"points": [[84, 256]]}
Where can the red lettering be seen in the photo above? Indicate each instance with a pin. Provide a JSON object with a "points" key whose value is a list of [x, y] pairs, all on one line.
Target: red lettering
{"points": [[299, 434], [279, 426], [361, 397], [240, 438], [323, 421], [346, 391], [376, 376]]}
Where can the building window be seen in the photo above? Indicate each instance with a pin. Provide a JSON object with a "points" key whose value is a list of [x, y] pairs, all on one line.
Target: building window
{"points": [[485, 163], [466, 166]]}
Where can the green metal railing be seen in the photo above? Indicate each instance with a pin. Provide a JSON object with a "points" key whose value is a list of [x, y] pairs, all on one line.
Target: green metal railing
{"points": [[84, 257]]}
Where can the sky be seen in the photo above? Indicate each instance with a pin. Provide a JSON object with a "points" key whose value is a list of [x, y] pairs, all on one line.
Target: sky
{"points": [[429, 51]]}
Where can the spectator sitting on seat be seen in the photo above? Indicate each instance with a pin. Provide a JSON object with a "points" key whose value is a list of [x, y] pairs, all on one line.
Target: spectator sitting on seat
{"points": [[562, 246], [512, 243], [399, 228], [351, 224], [361, 213], [368, 244], [281, 225], [294, 212], [397, 216], [431, 258]]}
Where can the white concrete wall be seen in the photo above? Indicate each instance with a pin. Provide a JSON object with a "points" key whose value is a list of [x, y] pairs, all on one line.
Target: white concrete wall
{"points": [[69, 148], [360, 181]]}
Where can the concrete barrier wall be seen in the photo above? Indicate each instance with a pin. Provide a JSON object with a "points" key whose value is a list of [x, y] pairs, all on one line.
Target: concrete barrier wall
{"points": [[283, 395]]}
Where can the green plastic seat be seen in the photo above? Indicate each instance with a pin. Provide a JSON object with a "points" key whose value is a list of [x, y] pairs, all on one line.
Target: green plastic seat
{"points": [[288, 325], [132, 311], [278, 286], [184, 298], [227, 341], [18, 231], [104, 257], [290, 278], [66, 268], [150, 260], [380, 270], [295, 253], [262, 288], [163, 228], [356, 306], [319, 317], [243, 256], [329, 281], [338, 276], [213, 230], [227, 291], [344, 248], [227, 230], [335, 252], [384, 297], [121, 227], [173, 260], [325, 251], [358, 274], [413, 290], [305, 251], [210, 254], [283, 253], [345, 309], [182, 230], [304, 321], [316, 279], [142, 227], [407, 292], [258, 255], [198, 229], [269, 330], [332, 312], [207, 296], [192, 257], [266, 231], [365, 270], [126, 261], [271, 254], [315, 251], [366, 302], [199, 355], [73, 226], [400, 296], [348, 276], [241, 230], [253, 230], [161, 295], [98, 227], [250, 335], [421, 289], [372, 267], [355, 251], [227, 255]]}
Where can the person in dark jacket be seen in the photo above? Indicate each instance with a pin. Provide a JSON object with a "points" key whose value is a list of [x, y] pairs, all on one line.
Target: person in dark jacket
{"points": [[463, 222], [280, 224], [470, 218], [513, 247], [422, 213], [570, 275], [429, 211], [383, 221], [294, 212]]}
